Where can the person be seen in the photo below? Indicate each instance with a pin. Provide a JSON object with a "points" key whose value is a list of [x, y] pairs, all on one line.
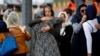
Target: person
{"points": [[3, 29], [69, 12], [20, 33], [89, 27], [72, 5], [7, 11], [43, 42], [96, 4], [66, 33], [78, 46]]}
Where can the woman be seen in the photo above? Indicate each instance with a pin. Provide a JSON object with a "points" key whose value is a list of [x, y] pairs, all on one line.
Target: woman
{"points": [[3, 29], [78, 41], [43, 42], [20, 34], [89, 27], [72, 5], [66, 32]]}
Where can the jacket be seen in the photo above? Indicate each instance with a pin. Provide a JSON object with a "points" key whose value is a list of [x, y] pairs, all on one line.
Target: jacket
{"points": [[20, 37]]}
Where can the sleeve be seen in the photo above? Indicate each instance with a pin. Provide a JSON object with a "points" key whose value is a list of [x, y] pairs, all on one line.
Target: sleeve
{"points": [[26, 33], [27, 36], [55, 30], [35, 21], [76, 26], [87, 30], [69, 32]]}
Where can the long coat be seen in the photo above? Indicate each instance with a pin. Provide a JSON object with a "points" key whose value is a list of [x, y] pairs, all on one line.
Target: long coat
{"points": [[43, 43]]}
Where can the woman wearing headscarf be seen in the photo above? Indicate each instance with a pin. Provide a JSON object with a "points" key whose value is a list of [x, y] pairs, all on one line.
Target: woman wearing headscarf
{"points": [[20, 33], [43, 42], [89, 27], [66, 33], [79, 42]]}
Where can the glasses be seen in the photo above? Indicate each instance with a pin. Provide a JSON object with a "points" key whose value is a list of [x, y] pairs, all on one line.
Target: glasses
{"points": [[83, 10]]}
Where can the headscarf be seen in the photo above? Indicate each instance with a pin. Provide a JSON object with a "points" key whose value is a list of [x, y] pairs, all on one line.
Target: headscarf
{"points": [[65, 15], [3, 27], [63, 24], [13, 19], [77, 17], [5, 14], [91, 12]]}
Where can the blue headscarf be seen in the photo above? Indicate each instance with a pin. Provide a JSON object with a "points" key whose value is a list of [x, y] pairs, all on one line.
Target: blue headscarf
{"points": [[91, 12], [3, 27], [77, 17]]}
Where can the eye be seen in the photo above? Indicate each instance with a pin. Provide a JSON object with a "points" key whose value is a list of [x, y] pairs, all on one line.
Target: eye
{"points": [[34, 6]]}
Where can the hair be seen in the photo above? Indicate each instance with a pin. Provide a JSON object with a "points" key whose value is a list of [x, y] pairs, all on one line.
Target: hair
{"points": [[68, 11], [52, 12], [10, 6], [97, 1], [83, 5], [18, 7], [73, 1]]}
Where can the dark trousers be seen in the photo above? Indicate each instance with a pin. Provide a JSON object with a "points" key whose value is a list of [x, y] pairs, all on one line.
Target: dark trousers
{"points": [[65, 46]]}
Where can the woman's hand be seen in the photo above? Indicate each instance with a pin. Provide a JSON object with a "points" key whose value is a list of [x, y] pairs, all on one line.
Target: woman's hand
{"points": [[97, 26], [45, 28], [83, 19], [45, 18]]}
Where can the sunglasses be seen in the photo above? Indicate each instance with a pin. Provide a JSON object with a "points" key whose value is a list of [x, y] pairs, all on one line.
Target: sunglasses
{"points": [[83, 10]]}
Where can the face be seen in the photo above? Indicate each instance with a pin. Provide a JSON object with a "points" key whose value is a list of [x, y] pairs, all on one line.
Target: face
{"points": [[62, 16], [83, 11], [48, 12]]}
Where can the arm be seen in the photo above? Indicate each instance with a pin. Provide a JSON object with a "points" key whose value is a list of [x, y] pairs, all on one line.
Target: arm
{"points": [[97, 26], [35, 21], [55, 26], [87, 30], [78, 25], [69, 32], [27, 35]]}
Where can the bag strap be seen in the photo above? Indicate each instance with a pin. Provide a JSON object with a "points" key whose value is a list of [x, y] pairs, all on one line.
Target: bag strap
{"points": [[90, 25]]}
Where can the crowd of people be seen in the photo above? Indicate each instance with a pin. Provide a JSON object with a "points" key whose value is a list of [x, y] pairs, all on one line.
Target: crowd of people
{"points": [[74, 32]]}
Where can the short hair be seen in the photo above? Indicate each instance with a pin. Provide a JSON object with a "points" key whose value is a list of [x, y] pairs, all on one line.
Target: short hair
{"points": [[68, 11], [18, 7]]}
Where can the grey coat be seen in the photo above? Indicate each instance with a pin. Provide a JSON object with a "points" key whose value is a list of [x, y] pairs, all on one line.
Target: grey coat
{"points": [[44, 43]]}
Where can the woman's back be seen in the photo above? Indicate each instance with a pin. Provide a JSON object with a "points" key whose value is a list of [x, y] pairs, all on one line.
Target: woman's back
{"points": [[20, 37]]}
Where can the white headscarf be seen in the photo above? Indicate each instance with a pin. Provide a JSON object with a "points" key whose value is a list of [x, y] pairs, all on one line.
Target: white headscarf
{"points": [[63, 24], [5, 14], [12, 19], [66, 16]]}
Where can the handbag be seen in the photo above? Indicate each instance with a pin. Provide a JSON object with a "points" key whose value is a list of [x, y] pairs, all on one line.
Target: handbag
{"points": [[8, 46]]}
